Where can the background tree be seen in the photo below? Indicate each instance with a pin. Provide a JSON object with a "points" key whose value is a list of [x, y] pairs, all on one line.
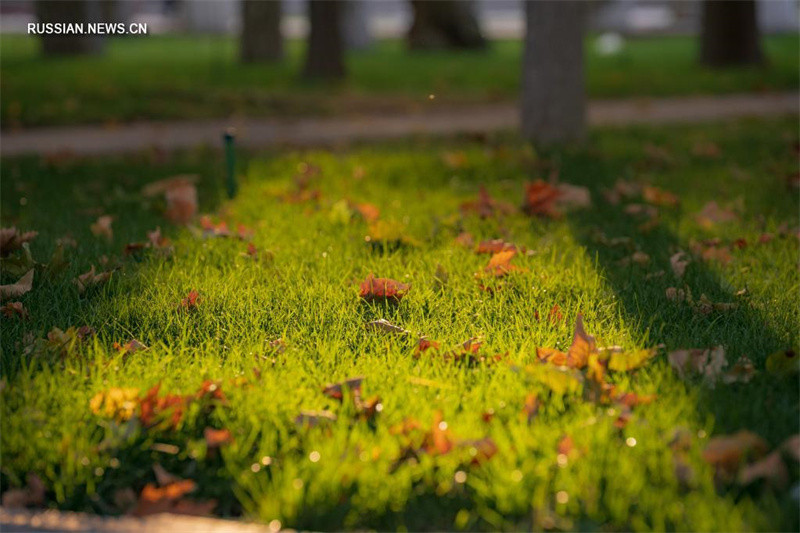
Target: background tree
{"points": [[261, 31], [444, 24], [553, 92], [730, 34], [67, 11], [325, 52]]}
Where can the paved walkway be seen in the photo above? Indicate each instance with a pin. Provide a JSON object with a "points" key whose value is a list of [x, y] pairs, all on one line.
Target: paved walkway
{"points": [[19, 521], [266, 132]]}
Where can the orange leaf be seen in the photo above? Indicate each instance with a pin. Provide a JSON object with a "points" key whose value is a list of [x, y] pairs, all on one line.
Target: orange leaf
{"points": [[386, 289]]}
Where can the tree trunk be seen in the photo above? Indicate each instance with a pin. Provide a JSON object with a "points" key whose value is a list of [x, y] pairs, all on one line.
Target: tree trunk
{"points": [[325, 54], [553, 95], [730, 34], [66, 11], [444, 24], [261, 31]]}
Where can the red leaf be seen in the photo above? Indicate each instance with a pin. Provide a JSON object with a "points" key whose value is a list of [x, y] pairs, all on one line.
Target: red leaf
{"points": [[386, 289]]}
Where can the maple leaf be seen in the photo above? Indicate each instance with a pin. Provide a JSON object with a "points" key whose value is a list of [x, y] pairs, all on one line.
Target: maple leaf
{"points": [[180, 193], [102, 227], [500, 265], [132, 346], [383, 289], [424, 345], [540, 199], [154, 408], [583, 345], [191, 301], [11, 240], [91, 279], [22, 286]]}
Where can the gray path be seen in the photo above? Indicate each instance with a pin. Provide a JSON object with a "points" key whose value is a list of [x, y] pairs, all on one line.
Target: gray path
{"points": [[24, 521], [266, 132]]}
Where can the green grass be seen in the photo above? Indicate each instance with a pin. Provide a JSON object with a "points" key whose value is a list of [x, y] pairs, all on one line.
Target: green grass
{"points": [[199, 77], [309, 297]]}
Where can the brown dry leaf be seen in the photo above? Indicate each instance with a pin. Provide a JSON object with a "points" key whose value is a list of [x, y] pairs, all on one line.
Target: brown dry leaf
{"points": [[675, 294], [385, 326], [500, 264], [727, 452], [383, 289], [91, 279], [11, 240], [336, 390], [639, 258], [310, 419], [102, 227], [32, 495], [22, 286], [771, 469], [215, 438], [495, 246], [180, 193], [708, 363], [583, 345], [540, 199], [573, 197], [12, 309], [660, 197], [679, 261], [132, 346], [712, 214], [741, 372], [191, 301], [170, 499]]}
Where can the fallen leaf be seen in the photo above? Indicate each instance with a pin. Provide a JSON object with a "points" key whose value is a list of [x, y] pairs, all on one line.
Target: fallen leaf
{"points": [[132, 346], [12, 309], [660, 197], [117, 403], [385, 326], [712, 214], [180, 193], [495, 246], [216, 438], [22, 286], [708, 363], [32, 495], [169, 499], [500, 264], [486, 206], [727, 452], [102, 227], [11, 240], [583, 345], [540, 199], [191, 301], [741, 372], [310, 419], [383, 289], [675, 295], [336, 390], [679, 261], [91, 279], [626, 361]]}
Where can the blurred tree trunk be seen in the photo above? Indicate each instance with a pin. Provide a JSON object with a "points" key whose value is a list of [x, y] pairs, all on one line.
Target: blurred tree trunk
{"points": [[444, 24], [261, 31], [67, 11], [325, 54], [730, 34], [553, 94]]}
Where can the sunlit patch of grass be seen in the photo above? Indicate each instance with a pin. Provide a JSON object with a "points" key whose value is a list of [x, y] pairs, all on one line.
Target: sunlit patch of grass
{"points": [[347, 474]]}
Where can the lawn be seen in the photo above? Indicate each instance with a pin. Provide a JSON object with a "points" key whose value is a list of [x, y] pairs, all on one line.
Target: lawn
{"points": [[461, 440], [171, 77]]}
